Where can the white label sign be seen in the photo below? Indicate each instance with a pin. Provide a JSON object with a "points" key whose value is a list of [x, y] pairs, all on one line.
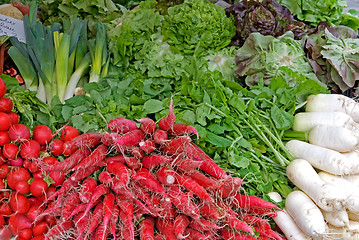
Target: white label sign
{"points": [[12, 27]]}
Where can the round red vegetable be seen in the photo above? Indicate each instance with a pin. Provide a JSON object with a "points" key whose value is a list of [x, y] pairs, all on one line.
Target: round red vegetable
{"points": [[4, 138], [19, 222], [6, 105], [40, 237], [19, 203], [2, 221], [40, 228], [22, 187], [2, 88], [33, 167], [35, 211], [58, 177], [30, 149], [50, 160], [42, 134], [26, 163], [17, 175], [68, 133], [38, 187], [4, 170], [17, 162], [19, 132], [14, 117], [51, 220], [5, 121], [5, 233], [56, 147], [5, 209], [10, 150], [25, 234], [2, 184]]}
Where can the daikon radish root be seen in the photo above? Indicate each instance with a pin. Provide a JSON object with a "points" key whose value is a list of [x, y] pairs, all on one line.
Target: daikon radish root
{"points": [[327, 196], [323, 158], [337, 218], [335, 233], [306, 214], [352, 201], [304, 121], [333, 103], [340, 139], [286, 223], [353, 178]]}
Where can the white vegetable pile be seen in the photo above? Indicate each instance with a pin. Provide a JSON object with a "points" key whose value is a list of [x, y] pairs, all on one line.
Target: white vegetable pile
{"points": [[325, 170]]}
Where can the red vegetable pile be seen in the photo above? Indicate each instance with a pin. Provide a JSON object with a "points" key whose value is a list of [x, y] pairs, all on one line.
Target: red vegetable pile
{"points": [[146, 182]]}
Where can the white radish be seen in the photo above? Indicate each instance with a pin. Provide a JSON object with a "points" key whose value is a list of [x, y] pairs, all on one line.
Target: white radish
{"points": [[327, 196], [333, 103], [304, 121], [286, 223], [306, 214], [340, 233], [323, 158], [340, 139], [352, 178], [352, 201], [338, 218]]}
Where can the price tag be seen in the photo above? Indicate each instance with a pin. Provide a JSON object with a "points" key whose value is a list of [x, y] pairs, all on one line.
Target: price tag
{"points": [[12, 27]]}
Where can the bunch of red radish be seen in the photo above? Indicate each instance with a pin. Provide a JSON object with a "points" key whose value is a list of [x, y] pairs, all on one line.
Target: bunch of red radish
{"points": [[151, 182], [23, 185]]}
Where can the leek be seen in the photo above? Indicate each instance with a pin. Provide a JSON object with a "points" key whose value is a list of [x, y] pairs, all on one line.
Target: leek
{"points": [[62, 67], [98, 49]]}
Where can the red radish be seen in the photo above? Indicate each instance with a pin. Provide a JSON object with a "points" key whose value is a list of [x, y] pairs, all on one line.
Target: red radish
{"points": [[99, 191], [126, 215], [69, 162], [137, 152], [151, 161], [167, 211], [26, 163], [148, 180], [142, 195], [183, 202], [117, 158], [176, 145], [83, 222], [120, 170], [17, 175], [33, 167], [71, 201], [180, 223], [87, 188], [33, 212], [166, 176], [59, 229], [25, 234], [5, 233], [229, 186], [2, 222], [56, 147], [105, 177], [203, 180], [187, 165], [95, 157], [19, 222], [10, 150], [107, 138], [51, 220], [38, 187], [194, 234], [209, 210], [96, 217], [165, 227], [181, 129], [228, 234], [83, 173], [19, 132], [5, 209], [30, 149], [2, 88], [6, 105], [42, 134], [77, 210], [148, 126], [160, 136], [2, 185], [49, 160], [40, 228], [86, 140], [4, 136], [101, 232], [5, 121], [121, 125], [14, 117], [19, 203], [133, 163], [114, 221], [68, 133], [108, 204], [147, 146], [203, 225], [248, 201], [167, 122], [22, 187], [236, 224], [16, 162], [146, 227], [129, 139]]}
